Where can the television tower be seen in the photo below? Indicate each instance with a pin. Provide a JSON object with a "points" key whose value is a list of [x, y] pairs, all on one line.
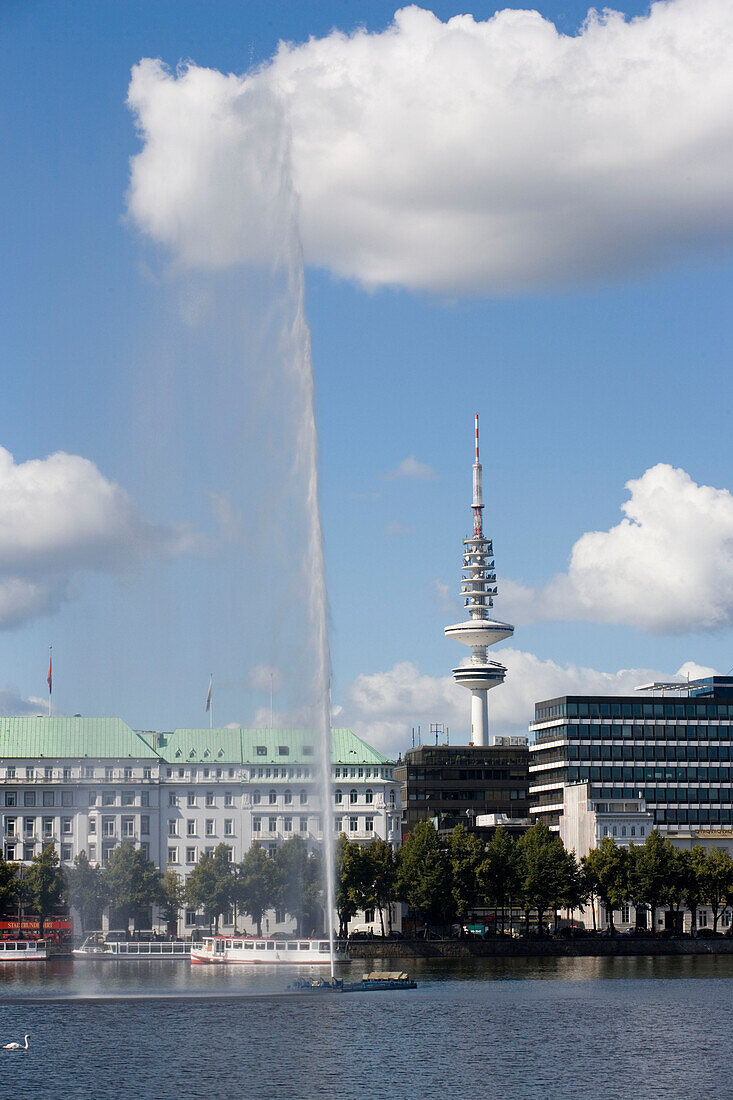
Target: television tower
{"points": [[478, 588]]}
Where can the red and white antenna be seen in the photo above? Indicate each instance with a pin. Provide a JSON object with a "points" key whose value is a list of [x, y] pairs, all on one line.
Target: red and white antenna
{"points": [[478, 502]]}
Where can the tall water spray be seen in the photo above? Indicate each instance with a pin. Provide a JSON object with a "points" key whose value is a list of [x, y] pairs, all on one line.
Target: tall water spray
{"points": [[234, 373]]}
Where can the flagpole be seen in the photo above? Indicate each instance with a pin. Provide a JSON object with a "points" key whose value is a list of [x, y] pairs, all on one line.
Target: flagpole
{"points": [[211, 707], [49, 678]]}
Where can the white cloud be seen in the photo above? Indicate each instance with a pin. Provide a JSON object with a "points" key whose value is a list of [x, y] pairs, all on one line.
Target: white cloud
{"points": [[667, 567], [464, 156], [383, 707], [60, 516], [411, 467], [12, 704]]}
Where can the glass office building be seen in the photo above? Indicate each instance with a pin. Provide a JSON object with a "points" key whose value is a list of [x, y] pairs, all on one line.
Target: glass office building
{"points": [[673, 748]]}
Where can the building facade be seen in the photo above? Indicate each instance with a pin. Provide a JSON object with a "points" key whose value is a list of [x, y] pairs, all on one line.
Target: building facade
{"points": [[456, 784], [675, 753], [89, 784]]}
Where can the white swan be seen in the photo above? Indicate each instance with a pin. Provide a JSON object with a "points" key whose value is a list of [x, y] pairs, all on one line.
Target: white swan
{"points": [[17, 1046]]}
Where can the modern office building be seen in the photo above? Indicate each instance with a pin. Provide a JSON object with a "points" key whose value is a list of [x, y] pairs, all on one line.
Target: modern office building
{"points": [[456, 784], [89, 784], [671, 748]]}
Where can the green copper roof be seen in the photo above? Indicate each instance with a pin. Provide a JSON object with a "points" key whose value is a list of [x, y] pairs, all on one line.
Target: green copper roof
{"points": [[108, 738]]}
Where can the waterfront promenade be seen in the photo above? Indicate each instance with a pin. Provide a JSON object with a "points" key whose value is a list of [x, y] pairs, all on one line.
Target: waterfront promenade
{"points": [[539, 946]]}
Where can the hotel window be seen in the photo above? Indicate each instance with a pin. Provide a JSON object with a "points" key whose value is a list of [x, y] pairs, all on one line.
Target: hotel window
{"points": [[29, 773], [67, 773], [93, 852], [623, 830], [172, 798], [391, 798], [181, 773], [145, 849], [230, 859], [361, 773], [625, 913], [228, 798], [144, 798], [29, 826], [108, 826], [304, 824], [173, 855], [29, 798], [66, 828], [128, 798], [67, 798], [272, 850], [353, 824], [272, 825], [48, 773], [92, 825], [338, 796], [210, 826], [191, 798], [283, 750], [206, 773], [338, 824], [173, 827], [605, 830], [256, 798], [48, 828], [190, 918], [10, 826], [303, 798], [190, 855], [228, 827], [65, 853], [256, 825], [209, 798], [191, 827], [288, 797], [10, 852], [261, 750], [287, 824], [127, 773], [48, 799], [10, 772], [369, 824], [108, 798], [352, 795], [145, 825], [108, 774], [369, 795], [88, 773], [128, 827], [10, 798], [272, 797], [147, 773], [615, 831], [231, 773], [641, 830]]}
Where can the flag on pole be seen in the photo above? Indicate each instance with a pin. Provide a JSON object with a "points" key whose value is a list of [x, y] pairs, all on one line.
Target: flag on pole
{"points": [[209, 693], [49, 677]]}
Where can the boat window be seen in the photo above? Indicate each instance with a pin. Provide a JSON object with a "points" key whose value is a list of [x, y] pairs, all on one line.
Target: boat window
{"points": [[260, 946], [292, 947], [229, 943], [248, 946], [303, 946], [271, 947], [323, 946], [238, 944], [10, 946], [22, 947]]}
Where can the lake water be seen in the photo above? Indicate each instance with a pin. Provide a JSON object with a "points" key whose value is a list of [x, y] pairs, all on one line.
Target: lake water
{"points": [[505, 1029]]}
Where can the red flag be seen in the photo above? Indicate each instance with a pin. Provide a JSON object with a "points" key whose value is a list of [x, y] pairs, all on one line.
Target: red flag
{"points": [[49, 678]]}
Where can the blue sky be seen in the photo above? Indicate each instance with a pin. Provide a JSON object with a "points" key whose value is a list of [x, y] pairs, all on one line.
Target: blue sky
{"points": [[585, 375]]}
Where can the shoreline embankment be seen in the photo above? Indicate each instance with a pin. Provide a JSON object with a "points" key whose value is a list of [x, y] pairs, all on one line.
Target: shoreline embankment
{"points": [[504, 947]]}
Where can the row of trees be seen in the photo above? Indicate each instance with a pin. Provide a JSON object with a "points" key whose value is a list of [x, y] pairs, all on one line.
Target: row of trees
{"points": [[442, 880]]}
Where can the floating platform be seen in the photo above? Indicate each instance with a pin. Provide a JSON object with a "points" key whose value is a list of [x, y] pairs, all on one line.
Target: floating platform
{"points": [[370, 983]]}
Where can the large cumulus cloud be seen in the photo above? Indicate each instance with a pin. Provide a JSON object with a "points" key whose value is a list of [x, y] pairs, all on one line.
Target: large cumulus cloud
{"points": [[461, 157]]}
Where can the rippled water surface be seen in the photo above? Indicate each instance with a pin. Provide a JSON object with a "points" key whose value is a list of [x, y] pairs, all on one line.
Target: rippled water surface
{"points": [[520, 1028]]}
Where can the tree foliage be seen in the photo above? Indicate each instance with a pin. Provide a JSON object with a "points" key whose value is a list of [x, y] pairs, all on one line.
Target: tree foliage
{"points": [[210, 885], [132, 881], [424, 875], [45, 884], [255, 886], [86, 891]]}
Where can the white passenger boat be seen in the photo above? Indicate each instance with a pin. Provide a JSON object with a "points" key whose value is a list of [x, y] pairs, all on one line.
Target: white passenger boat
{"points": [[251, 950], [22, 950], [115, 945]]}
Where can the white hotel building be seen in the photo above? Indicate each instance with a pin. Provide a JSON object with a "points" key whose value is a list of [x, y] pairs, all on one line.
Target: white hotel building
{"points": [[89, 784]]}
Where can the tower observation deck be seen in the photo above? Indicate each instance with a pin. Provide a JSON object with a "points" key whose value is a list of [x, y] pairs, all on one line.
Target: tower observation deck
{"points": [[478, 588]]}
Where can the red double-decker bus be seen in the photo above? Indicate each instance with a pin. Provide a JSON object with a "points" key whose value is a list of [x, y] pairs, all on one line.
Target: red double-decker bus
{"points": [[55, 929]]}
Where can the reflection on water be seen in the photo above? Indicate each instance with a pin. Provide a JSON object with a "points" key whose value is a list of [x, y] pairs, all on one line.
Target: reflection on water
{"points": [[507, 1029]]}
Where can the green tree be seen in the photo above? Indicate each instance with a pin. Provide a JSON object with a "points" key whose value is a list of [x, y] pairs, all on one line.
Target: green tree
{"points": [[349, 880], [383, 874], [45, 884], [86, 891], [299, 889], [543, 871], [606, 872], [649, 873], [694, 864], [8, 885], [172, 900], [210, 886], [424, 875], [133, 882], [498, 872], [255, 886], [465, 854], [716, 883]]}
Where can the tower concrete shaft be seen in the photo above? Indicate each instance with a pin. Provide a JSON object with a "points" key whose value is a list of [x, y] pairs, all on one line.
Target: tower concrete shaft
{"points": [[478, 588]]}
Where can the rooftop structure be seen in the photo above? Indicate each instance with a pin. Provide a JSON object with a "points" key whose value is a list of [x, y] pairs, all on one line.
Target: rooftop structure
{"points": [[478, 588]]}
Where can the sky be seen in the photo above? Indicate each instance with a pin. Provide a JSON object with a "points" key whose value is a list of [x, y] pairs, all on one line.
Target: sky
{"points": [[528, 215]]}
